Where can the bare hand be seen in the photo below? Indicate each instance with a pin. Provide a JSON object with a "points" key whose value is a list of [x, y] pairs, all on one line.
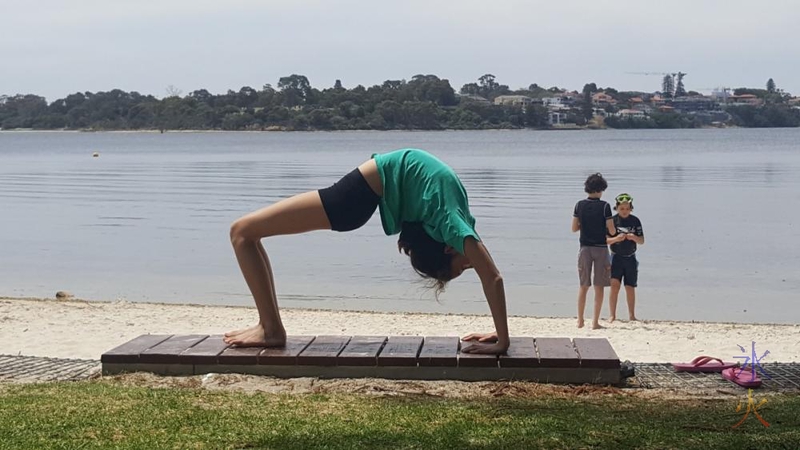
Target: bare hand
{"points": [[481, 337], [486, 349], [630, 236]]}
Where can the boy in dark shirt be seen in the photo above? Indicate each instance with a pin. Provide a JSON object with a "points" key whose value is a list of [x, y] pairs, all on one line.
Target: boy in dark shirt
{"points": [[592, 217], [624, 265]]}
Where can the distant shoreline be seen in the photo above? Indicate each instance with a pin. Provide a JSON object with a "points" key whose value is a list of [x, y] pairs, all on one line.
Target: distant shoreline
{"points": [[577, 128]]}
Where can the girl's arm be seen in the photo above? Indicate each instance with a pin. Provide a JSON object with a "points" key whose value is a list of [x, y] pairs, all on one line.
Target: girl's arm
{"points": [[495, 295]]}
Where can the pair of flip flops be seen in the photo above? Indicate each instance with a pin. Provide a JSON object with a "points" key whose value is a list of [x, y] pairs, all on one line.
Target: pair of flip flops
{"points": [[729, 370]]}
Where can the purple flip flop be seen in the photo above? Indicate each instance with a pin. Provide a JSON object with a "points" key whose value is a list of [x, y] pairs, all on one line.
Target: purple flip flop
{"points": [[742, 377], [704, 364]]}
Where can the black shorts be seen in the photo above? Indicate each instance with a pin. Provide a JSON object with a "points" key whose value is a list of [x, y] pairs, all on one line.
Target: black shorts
{"points": [[625, 268], [350, 202]]}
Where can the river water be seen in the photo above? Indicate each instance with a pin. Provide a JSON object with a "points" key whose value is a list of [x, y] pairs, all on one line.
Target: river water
{"points": [[148, 219]]}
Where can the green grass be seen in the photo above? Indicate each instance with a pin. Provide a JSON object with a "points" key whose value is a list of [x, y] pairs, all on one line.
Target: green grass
{"points": [[107, 414]]}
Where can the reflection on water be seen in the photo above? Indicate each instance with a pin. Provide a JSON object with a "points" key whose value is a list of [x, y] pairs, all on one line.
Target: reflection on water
{"points": [[149, 218]]}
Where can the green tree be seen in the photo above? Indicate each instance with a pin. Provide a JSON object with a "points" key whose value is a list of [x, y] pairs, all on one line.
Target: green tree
{"points": [[296, 90], [771, 86], [587, 107]]}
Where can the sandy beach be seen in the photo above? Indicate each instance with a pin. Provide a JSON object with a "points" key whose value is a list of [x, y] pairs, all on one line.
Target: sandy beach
{"points": [[85, 329]]}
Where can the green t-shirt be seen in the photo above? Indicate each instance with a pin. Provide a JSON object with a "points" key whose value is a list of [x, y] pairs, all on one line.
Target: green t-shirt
{"points": [[418, 187]]}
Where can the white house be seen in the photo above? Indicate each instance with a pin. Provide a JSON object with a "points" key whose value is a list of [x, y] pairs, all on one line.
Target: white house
{"points": [[631, 114], [513, 100]]}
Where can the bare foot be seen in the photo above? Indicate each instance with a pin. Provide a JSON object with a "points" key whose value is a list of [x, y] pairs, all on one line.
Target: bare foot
{"points": [[255, 337], [612, 319], [242, 331], [597, 326], [633, 319], [580, 323]]}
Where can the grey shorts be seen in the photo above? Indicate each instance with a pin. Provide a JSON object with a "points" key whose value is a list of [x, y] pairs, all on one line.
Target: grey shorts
{"points": [[597, 257]]}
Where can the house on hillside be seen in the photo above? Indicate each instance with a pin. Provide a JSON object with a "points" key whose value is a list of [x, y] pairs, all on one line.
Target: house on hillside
{"points": [[551, 101], [555, 118], [602, 99], [631, 114], [513, 100], [744, 100], [569, 98], [694, 104], [657, 100]]}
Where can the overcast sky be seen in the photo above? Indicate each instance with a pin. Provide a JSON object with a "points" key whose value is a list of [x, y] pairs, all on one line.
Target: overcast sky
{"points": [[53, 48]]}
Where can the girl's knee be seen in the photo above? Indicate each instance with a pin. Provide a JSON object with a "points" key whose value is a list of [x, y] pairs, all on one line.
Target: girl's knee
{"points": [[240, 233]]}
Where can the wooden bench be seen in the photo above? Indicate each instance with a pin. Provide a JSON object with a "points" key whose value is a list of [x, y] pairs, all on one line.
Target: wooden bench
{"points": [[550, 360]]}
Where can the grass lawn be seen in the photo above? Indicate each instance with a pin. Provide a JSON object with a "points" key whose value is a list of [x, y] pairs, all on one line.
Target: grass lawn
{"points": [[108, 414]]}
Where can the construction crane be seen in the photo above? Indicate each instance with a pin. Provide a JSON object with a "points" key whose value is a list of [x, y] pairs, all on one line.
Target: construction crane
{"points": [[650, 73]]}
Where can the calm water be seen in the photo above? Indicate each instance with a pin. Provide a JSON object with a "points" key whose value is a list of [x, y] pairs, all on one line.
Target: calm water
{"points": [[148, 220]]}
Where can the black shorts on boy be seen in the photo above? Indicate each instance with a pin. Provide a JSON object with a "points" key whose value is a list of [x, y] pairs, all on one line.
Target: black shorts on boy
{"points": [[625, 269]]}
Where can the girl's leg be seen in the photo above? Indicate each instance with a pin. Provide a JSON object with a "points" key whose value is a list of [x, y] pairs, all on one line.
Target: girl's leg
{"points": [[630, 294], [298, 214], [612, 299]]}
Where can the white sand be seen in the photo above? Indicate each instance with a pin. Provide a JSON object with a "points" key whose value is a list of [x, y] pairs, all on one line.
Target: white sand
{"points": [[81, 329]]}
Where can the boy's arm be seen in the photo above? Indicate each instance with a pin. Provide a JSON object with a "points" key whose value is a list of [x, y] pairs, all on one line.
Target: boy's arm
{"points": [[576, 223], [638, 239], [614, 239], [610, 228], [638, 235]]}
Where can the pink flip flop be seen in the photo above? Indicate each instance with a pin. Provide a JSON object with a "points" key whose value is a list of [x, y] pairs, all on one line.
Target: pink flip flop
{"points": [[704, 364], [742, 377]]}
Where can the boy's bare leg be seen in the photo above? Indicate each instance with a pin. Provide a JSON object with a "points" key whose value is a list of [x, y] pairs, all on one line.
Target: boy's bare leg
{"points": [[630, 296], [612, 299], [582, 291], [598, 305], [298, 214]]}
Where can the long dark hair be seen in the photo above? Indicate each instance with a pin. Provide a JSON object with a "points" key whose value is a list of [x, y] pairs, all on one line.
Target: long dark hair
{"points": [[428, 257]]}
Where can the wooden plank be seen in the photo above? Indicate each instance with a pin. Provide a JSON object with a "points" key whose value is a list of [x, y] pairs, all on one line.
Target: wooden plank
{"points": [[205, 352], [129, 351], [285, 356], [400, 351], [521, 353], [240, 356], [322, 351], [361, 351], [596, 353], [168, 352], [556, 352], [476, 360], [439, 351]]}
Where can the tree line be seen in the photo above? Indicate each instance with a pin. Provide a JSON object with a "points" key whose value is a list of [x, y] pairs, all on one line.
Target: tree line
{"points": [[425, 102]]}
